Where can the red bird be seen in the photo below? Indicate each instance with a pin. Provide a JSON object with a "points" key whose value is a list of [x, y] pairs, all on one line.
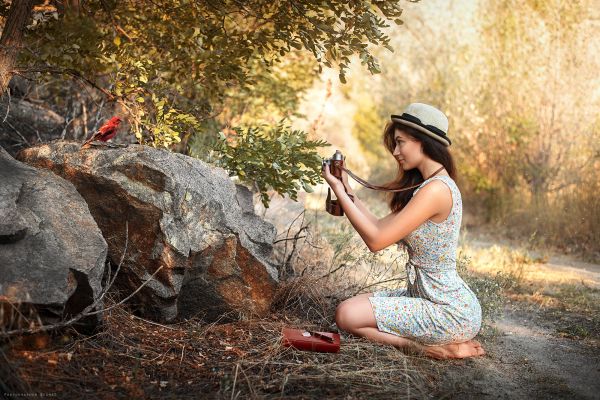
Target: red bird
{"points": [[106, 131]]}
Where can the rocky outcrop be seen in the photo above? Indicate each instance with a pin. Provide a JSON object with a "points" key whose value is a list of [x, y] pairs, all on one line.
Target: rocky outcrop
{"points": [[52, 254], [184, 217]]}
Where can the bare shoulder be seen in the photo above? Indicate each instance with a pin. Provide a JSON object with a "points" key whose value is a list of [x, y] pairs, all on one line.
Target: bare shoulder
{"points": [[437, 195], [434, 190], [432, 200]]}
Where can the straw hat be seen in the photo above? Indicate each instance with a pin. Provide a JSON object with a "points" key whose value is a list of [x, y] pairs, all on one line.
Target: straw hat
{"points": [[426, 119]]}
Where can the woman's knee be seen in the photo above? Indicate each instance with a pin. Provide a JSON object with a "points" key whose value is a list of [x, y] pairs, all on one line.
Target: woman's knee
{"points": [[342, 315], [354, 313]]}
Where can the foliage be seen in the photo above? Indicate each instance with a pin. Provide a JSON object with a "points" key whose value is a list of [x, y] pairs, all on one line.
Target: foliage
{"points": [[174, 65], [274, 157], [533, 136], [197, 50], [275, 94]]}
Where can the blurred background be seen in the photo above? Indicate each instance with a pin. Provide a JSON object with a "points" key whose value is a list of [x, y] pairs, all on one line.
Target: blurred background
{"points": [[519, 83]]}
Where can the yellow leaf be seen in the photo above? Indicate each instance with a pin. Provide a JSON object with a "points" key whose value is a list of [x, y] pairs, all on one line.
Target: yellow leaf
{"points": [[117, 41]]}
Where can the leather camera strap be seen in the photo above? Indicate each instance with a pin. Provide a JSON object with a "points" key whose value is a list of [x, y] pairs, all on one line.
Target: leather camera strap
{"points": [[383, 188]]}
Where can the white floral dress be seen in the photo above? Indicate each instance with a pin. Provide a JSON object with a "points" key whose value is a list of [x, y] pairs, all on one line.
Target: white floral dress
{"points": [[435, 306]]}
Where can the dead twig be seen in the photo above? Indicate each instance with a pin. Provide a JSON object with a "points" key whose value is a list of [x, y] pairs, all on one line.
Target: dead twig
{"points": [[19, 133], [86, 311], [283, 240], [287, 266], [7, 105]]}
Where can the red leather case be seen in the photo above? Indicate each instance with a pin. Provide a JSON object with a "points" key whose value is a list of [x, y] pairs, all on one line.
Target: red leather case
{"points": [[294, 338]]}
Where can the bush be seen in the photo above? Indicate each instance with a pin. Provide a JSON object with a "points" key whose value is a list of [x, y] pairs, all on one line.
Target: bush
{"points": [[274, 157]]}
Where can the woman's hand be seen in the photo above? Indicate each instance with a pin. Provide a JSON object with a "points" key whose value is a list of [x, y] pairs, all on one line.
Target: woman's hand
{"points": [[333, 182]]}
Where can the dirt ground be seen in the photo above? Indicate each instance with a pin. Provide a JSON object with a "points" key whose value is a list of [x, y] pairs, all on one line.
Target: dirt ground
{"points": [[527, 360], [537, 352]]}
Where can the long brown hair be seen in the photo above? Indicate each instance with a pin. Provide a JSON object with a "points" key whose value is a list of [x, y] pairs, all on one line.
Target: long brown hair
{"points": [[431, 147]]}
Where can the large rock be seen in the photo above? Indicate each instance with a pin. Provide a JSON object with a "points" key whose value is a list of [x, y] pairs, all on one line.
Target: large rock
{"points": [[52, 254], [183, 216]]}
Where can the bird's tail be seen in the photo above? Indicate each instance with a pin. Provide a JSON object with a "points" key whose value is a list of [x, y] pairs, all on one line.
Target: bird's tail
{"points": [[86, 144]]}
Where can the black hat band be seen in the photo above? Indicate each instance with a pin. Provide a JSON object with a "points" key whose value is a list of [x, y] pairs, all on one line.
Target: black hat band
{"points": [[415, 120]]}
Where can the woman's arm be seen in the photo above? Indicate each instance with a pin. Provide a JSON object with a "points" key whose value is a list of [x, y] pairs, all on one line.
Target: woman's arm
{"points": [[379, 234], [363, 208]]}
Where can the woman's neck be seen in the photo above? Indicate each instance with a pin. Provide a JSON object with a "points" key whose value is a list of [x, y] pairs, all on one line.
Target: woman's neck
{"points": [[428, 167]]}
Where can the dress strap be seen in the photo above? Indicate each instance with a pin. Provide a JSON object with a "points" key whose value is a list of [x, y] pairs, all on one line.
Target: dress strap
{"points": [[444, 178], [456, 210]]}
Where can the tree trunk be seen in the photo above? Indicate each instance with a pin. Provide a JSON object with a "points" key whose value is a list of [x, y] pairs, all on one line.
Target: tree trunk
{"points": [[12, 39]]}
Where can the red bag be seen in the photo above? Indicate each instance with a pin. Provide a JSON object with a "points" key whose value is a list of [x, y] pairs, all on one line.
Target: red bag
{"points": [[324, 342]]}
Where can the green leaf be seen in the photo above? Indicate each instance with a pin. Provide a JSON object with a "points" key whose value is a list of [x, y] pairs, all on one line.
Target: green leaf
{"points": [[307, 187]]}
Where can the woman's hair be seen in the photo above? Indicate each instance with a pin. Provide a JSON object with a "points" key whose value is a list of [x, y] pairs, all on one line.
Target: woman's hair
{"points": [[431, 147]]}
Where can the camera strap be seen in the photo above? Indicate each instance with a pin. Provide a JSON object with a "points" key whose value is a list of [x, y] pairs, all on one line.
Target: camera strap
{"points": [[383, 188], [333, 207]]}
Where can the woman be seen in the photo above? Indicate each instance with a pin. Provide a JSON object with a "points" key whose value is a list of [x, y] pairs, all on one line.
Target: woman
{"points": [[435, 312]]}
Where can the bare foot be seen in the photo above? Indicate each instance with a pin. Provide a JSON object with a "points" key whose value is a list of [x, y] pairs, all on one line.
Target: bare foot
{"points": [[471, 348]]}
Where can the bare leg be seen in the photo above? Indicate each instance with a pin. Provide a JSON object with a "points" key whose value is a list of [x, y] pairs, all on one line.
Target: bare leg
{"points": [[356, 316]]}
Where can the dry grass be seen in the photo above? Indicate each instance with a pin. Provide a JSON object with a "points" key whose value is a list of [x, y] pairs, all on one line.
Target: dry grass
{"points": [[566, 221], [130, 357]]}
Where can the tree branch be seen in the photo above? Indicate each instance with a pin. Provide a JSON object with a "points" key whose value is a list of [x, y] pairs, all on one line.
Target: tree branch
{"points": [[71, 72]]}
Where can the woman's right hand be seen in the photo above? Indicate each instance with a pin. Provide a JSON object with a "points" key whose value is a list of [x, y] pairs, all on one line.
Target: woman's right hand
{"points": [[333, 182]]}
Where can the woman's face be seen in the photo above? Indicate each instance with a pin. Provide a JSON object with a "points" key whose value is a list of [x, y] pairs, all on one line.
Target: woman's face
{"points": [[407, 151]]}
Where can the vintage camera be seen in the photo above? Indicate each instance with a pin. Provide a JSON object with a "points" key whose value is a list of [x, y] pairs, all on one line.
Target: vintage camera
{"points": [[336, 164]]}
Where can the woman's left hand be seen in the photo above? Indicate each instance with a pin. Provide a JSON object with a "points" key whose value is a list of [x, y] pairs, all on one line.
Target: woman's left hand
{"points": [[334, 182]]}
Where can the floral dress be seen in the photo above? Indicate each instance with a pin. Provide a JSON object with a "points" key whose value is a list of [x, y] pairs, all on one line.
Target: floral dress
{"points": [[435, 306]]}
